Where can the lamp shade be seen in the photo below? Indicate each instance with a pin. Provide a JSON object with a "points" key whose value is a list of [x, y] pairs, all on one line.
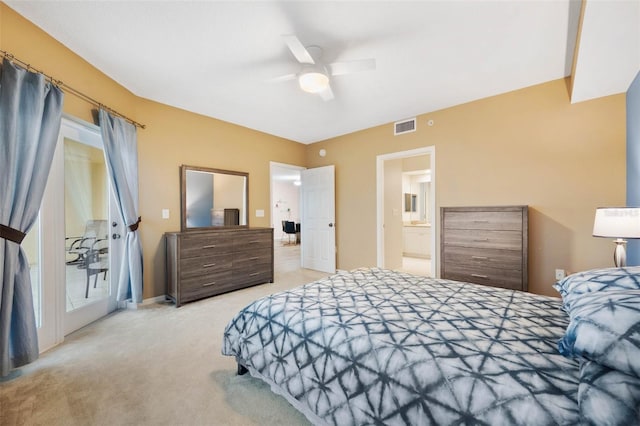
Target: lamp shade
{"points": [[617, 222]]}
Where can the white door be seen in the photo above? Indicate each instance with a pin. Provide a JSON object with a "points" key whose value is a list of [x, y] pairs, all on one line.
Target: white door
{"points": [[79, 231], [393, 214], [317, 227]]}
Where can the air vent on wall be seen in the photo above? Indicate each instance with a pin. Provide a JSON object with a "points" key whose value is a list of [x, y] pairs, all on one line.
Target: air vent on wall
{"points": [[406, 126]]}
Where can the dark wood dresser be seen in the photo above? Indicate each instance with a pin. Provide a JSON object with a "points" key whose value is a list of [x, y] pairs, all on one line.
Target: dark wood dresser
{"points": [[205, 263], [485, 245]]}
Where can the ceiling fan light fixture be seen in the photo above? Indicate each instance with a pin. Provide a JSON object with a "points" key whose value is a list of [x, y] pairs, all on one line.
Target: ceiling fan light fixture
{"points": [[313, 81]]}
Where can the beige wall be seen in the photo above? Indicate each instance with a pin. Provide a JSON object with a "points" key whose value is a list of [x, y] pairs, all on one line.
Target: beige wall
{"points": [[27, 42], [525, 147], [531, 146], [172, 137]]}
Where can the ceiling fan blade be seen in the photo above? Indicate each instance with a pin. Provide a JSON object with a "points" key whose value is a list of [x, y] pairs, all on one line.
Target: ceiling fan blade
{"points": [[326, 94], [299, 51], [286, 77], [339, 68]]}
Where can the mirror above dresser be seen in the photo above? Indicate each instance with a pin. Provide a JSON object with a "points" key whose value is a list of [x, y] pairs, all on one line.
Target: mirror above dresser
{"points": [[211, 198]]}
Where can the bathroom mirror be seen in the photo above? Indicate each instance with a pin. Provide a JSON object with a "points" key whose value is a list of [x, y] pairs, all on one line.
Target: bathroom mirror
{"points": [[410, 202], [213, 198], [416, 185]]}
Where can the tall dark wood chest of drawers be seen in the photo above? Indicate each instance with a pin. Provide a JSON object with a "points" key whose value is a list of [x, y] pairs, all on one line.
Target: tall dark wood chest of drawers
{"points": [[205, 263], [485, 245]]}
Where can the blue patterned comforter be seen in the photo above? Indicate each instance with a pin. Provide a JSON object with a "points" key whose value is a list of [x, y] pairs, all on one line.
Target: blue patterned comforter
{"points": [[374, 346]]}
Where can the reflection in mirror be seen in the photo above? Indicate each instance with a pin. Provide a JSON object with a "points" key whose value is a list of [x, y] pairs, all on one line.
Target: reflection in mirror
{"points": [[417, 185], [409, 202], [213, 197]]}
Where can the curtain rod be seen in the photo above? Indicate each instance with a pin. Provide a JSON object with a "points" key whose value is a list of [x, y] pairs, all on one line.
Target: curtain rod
{"points": [[67, 88]]}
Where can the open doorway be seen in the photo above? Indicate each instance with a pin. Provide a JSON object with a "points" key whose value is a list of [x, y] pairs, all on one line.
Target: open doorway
{"points": [[406, 212], [285, 210]]}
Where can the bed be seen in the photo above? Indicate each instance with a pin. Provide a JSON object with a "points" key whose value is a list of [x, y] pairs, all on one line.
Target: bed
{"points": [[374, 346]]}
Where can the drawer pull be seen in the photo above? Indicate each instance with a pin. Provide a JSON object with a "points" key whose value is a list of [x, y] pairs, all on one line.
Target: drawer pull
{"points": [[479, 276], [209, 265], [481, 240], [254, 241], [209, 284], [480, 257], [254, 274], [480, 221], [254, 258], [209, 246]]}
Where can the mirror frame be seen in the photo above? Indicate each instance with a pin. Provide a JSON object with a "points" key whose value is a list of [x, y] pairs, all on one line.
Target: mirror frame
{"points": [[183, 197]]}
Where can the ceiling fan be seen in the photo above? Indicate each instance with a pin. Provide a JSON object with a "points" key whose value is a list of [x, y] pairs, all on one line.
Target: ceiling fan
{"points": [[314, 75]]}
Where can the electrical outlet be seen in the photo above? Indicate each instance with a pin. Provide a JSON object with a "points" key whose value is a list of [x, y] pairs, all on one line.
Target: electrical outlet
{"points": [[560, 274]]}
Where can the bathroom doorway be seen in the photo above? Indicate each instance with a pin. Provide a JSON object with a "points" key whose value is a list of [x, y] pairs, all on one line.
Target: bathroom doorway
{"points": [[406, 211]]}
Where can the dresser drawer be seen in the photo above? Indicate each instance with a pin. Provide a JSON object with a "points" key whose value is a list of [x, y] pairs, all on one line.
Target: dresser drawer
{"points": [[494, 220], [202, 245], [253, 241], [261, 273], [480, 238], [493, 258], [204, 265], [204, 285], [505, 278], [261, 256], [224, 286]]}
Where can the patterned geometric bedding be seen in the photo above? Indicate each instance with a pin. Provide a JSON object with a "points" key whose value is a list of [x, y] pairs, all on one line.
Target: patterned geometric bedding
{"points": [[373, 346]]}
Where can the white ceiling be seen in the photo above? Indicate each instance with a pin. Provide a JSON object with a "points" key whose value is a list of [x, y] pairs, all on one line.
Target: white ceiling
{"points": [[215, 58]]}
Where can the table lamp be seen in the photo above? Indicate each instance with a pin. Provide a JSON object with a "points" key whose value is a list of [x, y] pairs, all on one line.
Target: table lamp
{"points": [[618, 223]]}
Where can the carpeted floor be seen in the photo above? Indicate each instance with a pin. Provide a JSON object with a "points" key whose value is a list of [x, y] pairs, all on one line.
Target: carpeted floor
{"points": [[157, 365]]}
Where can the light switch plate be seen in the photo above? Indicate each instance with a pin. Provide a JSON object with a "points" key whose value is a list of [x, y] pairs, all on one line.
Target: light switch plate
{"points": [[259, 213], [165, 213]]}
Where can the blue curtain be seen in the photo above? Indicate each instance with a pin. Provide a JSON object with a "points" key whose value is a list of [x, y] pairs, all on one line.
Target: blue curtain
{"points": [[30, 115], [121, 153]]}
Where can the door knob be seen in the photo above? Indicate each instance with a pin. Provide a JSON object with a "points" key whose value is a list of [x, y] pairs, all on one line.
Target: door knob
{"points": [[114, 224], [331, 225], [115, 236]]}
